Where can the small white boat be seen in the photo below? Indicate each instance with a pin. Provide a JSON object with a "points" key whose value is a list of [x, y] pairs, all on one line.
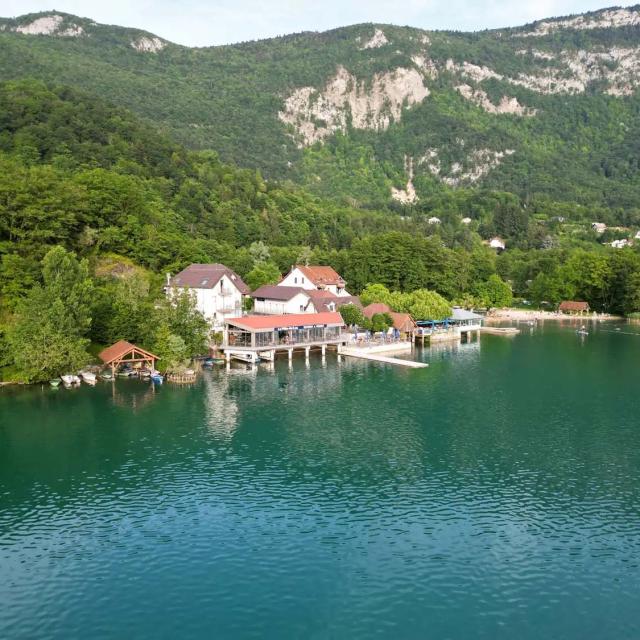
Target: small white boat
{"points": [[69, 380], [246, 356], [88, 377]]}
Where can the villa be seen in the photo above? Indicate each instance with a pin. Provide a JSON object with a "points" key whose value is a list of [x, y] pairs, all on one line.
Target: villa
{"points": [[218, 291], [318, 277]]}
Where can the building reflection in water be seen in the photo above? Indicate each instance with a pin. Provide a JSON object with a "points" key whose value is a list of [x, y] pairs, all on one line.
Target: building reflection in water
{"points": [[132, 394]]}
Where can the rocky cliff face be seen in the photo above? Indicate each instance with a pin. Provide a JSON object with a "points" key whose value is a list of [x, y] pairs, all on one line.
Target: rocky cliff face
{"points": [[382, 111]]}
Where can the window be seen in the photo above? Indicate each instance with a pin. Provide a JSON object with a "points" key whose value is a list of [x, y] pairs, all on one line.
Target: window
{"points": [[301, 307], [302, 279], [295, 280]]}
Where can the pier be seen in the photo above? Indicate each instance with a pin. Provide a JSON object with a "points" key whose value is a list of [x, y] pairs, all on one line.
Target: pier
{"points": [[377, 354]]}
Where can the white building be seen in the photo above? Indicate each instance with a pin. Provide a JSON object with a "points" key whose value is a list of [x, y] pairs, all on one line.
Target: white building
{"points": [[599, 227], [466, 221], [316, 277], [217, 289], [497, 243], [620, 244], [281, 300], [434, 220]]}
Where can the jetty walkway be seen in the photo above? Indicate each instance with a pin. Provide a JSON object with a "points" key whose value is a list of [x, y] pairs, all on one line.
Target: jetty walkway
{"points": [[377, 353]]}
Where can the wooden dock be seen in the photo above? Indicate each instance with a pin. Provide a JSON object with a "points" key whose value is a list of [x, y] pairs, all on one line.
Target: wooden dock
{"points": [[365, 354]]}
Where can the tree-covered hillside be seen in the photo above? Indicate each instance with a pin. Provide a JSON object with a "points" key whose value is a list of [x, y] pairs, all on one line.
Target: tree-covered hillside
{"points": [[377, 114]]}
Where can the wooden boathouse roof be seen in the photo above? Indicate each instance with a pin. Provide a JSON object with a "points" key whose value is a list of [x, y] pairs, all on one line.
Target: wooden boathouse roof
{"points": [[123, 348]]}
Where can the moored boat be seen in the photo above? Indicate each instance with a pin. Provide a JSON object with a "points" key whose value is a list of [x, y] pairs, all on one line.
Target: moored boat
{"points": [[55, 382], [69, 380], [156, 377], [88, 377], [106, 375]]}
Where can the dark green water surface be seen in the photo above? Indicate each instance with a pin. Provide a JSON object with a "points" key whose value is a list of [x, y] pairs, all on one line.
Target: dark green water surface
{"points": [[494, 495]]}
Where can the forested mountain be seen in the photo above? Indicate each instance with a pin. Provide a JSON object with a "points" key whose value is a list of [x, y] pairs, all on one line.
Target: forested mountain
{"points": [[375, 114]]}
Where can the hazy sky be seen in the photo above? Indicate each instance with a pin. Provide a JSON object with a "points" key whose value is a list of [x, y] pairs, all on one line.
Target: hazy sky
{"points": [[208, 22]]}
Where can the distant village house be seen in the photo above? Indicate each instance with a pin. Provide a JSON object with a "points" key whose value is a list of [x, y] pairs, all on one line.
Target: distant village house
{"points": [[599, 227]]}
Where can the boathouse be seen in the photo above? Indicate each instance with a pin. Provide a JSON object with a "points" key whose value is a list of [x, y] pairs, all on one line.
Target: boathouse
{"points": [[254, 337], [124, 352], [573, 307]]}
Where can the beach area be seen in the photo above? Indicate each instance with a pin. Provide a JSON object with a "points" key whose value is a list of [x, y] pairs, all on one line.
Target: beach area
{"points": [[527, 315]]}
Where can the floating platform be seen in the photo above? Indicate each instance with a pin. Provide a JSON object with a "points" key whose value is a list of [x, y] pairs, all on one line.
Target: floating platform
{"points": [[500, 331], [376, 354]]}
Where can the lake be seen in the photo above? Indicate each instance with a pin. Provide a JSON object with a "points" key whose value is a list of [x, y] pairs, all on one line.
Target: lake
{"points": [[495, 494]]}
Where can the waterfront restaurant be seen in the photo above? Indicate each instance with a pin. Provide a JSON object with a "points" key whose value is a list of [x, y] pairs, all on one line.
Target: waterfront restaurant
{"points": [[283, 331]]}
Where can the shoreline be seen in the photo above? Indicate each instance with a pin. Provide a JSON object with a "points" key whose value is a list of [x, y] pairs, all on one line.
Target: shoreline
{"points": [[520, 315]]}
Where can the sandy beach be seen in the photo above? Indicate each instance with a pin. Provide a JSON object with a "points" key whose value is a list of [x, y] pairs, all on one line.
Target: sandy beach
{"points": [[526, 315]]}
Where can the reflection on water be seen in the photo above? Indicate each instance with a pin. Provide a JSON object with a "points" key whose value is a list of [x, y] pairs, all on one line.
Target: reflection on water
{"points": [[485, 496]]}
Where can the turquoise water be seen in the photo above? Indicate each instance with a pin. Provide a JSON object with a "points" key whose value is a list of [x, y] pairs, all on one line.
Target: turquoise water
{"points": [[495, 494]]}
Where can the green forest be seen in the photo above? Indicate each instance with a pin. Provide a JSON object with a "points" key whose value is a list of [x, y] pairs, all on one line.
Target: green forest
{"points": [[96, 206], [580, 147]]}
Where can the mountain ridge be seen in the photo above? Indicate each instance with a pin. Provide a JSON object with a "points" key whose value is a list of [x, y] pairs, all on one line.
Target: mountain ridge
{"points": [[382, 115]]}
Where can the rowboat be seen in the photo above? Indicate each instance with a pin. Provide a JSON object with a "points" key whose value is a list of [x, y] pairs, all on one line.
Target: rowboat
{"points": [[55, 382]]}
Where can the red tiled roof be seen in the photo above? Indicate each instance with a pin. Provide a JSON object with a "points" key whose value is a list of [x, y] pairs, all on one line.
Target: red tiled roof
{"points": [[120, 349], [402, 321], [320, 274], [374, 308], [288, 320], [573, 305], [207, 276]]}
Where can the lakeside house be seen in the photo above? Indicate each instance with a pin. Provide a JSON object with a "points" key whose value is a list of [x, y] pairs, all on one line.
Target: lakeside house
{"points": [[279, 299], [218, 291], [573, 307], [318, 277], [599, 227], [402, 322]]}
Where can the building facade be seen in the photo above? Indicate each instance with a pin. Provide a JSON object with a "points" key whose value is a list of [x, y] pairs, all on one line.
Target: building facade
{"points": [[218, 291], [315, 277]]}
